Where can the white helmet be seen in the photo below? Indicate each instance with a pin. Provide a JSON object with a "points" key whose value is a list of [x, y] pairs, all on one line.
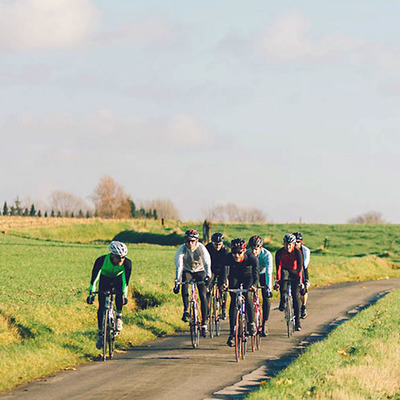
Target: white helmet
{"points": [[118, 248]]}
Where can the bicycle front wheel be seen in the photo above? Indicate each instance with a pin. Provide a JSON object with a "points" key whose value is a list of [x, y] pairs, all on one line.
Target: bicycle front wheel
{"points": [[218, 317], [289, 316], [194, 326], [238, 336], [244, 336], [106, 333], [111, 339], [212, 314]]}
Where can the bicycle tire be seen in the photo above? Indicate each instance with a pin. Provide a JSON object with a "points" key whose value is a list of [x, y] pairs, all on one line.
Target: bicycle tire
{"points": [[211, 311], [243, 343], [259, 329], [111, 339], [218, 318], [194, 326], [238, 336], [105, 334], [289, 315]]}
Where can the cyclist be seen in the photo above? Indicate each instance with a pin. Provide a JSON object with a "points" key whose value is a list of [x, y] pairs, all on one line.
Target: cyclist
{"points": [[305, 251], [218, 253], [193, 263], [266, 266], [241, 268], [111, 271], [289, 265]]}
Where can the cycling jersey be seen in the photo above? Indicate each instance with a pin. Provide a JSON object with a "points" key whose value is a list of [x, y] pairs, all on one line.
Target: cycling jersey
{"points": [[266, 265], [292, 262], [246, 271], [192, 261], [104, 266], [306, 260], [218, 259]]}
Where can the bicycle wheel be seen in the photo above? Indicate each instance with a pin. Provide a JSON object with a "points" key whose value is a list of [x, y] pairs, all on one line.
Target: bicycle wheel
{"points": [[289, 315], [111, 339], [238, 336], [105, 333], [243, 344], [259, 329], [194, 326], [218, 317], [211, 312]]}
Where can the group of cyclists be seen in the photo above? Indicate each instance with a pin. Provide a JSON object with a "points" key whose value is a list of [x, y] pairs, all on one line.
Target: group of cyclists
{"points": [[249, 266]]}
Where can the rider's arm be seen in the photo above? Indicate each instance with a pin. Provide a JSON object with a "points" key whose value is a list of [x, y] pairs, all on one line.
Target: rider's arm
{"points": [[306, 256], [269, 271], [278, 264], [255, 271], [179, 264], [96, 273], [126, 275], [299, 259], [206, 259]]}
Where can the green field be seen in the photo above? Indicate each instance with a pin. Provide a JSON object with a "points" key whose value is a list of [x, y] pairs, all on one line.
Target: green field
{"points": [[45, 324]]}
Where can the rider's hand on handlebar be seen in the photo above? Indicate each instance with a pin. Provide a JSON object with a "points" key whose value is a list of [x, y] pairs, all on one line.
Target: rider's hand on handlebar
{"points": [[269, 293], [90, 298], [224, 286], [252, 288], [176, 288], [276, 286]]}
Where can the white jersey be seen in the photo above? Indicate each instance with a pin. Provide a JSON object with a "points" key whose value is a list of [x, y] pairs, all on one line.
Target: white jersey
{"points": [[192, 261], [306, 256]]}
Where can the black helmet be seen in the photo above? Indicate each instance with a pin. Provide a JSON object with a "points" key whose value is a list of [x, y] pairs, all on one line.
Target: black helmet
{"points": [[217, 237], [255, 241], [191, 234], [238, 245], [289, 238], [298, 235]]}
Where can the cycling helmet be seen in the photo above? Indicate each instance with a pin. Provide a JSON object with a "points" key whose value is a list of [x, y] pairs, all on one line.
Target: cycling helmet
{"points": [[255, 241], [238, 245], [298, 235], [118, 248], [289, 238], [191, 234], [217, 237]]}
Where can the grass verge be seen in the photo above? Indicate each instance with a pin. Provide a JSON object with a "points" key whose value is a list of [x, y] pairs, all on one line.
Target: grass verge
{"points": [[359, 360]]}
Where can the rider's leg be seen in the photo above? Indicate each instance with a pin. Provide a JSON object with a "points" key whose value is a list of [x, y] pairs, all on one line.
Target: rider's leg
{"points": [[186, 276], [294, 281], [201, 286]]}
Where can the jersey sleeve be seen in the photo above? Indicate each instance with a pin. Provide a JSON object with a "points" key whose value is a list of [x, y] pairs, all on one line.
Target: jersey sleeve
{"points": [[179, 264], [96, 271], [269, 270], [206, 259], [278, 264], [126, 276]]}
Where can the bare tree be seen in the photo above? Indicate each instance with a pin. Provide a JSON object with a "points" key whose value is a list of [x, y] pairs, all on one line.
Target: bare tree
{"points": [[165, 208], [371, 217], [110, 199], [231, 212], [65, 202]]}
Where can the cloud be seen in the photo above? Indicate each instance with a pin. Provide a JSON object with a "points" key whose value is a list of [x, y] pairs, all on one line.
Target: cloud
{"points": [[45, 24], [289, 40], [153, 29]]}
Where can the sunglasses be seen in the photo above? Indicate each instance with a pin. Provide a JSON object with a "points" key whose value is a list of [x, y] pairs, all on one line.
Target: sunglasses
{"points": [[119, 258], [238, 252]]}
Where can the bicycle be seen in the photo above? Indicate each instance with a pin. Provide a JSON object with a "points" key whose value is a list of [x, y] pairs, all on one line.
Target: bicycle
{"points": [[258, 319], [215, 310], [240, 335], [109, 330], [194, 320]]}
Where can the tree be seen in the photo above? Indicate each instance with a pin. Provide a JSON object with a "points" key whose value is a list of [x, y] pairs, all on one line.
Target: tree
{"points": [[231, 212], [110, 199], [165, 208], [133, 207], [5, 208], [32, 211], [65, 202], [371, 217]]}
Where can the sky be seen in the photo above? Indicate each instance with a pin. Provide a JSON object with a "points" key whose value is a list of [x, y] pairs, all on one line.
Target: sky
{"points": [[290, 107]]}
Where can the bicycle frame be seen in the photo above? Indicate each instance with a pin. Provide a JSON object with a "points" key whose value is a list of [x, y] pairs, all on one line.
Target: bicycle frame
{"points": [[289, 310], [214, 307], [258, 318]]}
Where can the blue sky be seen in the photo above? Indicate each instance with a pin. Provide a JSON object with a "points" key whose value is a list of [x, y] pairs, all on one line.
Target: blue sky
{"points": [[286, 106]]}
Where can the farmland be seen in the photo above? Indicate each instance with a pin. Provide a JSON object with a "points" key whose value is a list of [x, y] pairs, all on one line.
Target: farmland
{"points": [[46, 264]]}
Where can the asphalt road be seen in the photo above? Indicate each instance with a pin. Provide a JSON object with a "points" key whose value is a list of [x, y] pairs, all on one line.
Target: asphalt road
{"points": [[169, 368]]}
